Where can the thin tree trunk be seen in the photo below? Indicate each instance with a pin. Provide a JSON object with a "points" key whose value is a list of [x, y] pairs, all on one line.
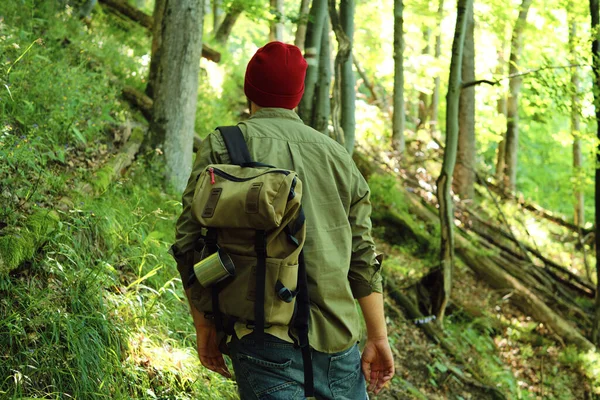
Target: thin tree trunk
{"points": [[594, 11], [464, 175], [424, 97], [229, 21], [344, 50], [157, 26], [216, 15], [176, 87], [275, 25], [399, 117], [302, 22], [435, 97], [322, 103], [501, 109], [512, 124], [348, 104], [366, 81], [444, 181], [314, 31], [576, 125]]}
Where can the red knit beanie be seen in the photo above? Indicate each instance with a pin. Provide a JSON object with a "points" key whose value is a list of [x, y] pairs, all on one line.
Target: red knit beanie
{"points": [[275, 76]]}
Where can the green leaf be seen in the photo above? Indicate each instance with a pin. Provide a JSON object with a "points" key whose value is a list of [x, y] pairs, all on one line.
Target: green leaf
{"points": [[78, 134]]}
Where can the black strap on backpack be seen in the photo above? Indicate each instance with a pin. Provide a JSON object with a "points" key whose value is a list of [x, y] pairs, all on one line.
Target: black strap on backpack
{"points": [[236, 145], [240, 155]]}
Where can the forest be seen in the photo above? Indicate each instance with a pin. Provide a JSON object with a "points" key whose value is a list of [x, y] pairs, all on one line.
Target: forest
{"points": [[474, 122]]}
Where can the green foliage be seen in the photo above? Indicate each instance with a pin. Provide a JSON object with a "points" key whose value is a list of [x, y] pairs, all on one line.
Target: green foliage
{"points": [[104, 305], [21, 244]]}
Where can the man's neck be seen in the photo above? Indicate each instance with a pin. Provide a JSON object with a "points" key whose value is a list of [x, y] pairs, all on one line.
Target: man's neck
{"points": [[254, 108]]}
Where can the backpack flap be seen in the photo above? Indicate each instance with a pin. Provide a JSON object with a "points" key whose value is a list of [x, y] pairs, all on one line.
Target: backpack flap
{"points": [[233, 197]]}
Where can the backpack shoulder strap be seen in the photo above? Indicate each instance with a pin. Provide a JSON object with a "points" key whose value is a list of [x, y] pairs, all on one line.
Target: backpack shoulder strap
{"points": [[236, 145]]}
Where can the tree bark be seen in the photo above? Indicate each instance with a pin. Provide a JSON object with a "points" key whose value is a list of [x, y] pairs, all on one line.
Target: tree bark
{"points": [[512, 124], [501, 108], [229, 21], [314, 32], [275, 25], [399, 117], [424, 97], [444, 182], [176, 87], [348, 100], [464, 175], [159, 10], [130, 11], [302, 23], [435, 97], [322, 103], [578, 213], [344, 50], [595, 19], [216, 15]]}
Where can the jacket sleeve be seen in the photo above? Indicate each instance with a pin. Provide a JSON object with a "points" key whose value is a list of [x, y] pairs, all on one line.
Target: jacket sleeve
{"points": [[364, 274], [187, 231]]}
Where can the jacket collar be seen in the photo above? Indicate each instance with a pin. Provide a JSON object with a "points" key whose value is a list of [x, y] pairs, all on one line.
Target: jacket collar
{"points": [[276, 113]]}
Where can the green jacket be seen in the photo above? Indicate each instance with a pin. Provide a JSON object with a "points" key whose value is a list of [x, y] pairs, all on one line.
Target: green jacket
{"points": [[339, 250]]}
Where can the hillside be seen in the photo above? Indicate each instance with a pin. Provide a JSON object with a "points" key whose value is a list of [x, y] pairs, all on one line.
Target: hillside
{"points": [[91, 305]]}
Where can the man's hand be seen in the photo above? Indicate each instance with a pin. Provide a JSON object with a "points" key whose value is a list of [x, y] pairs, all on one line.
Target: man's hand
{"points": [[377, 363], [208, 350]]}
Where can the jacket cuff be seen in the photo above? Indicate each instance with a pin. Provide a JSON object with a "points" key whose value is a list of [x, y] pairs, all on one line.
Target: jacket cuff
{"points": [[363, 288]]}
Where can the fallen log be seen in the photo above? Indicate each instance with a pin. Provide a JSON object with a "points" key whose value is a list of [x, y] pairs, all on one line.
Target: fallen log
{"points": [[540, 256], [139, 100], [496, 277], [579, 289], [147, 22], [546, 214], [142, 102]]}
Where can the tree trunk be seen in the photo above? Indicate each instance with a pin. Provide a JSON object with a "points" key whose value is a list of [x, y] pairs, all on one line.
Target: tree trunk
{"points": [[435, 97], [229, 21], [216, 15], [464, 175], [348, 100], [594, 11], [157, 26], [302, 22], [512, 124], [276, 24], [578, 213], [501, 108], [322, 103], [424, 97], [314, 31], [343, 54], [444, 182], [399, 117], [176, 87]]}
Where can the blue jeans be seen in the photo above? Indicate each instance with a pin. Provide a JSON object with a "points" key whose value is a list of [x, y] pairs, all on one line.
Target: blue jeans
{"points": [[276, 371]]}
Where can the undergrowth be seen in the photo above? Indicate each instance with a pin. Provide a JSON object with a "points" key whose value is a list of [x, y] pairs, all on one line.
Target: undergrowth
{"points": [[100, 314]]}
